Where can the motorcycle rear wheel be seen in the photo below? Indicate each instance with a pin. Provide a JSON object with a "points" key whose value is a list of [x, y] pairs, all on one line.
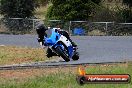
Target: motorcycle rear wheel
{"points": [[75, 56]]}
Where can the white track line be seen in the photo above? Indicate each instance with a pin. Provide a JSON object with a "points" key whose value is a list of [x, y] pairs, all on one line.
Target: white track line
{"points": [[2, 45]]}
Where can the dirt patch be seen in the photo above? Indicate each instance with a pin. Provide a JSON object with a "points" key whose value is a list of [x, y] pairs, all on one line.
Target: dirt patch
{"points": [[16, 55], [20, 60], [30, 73]]}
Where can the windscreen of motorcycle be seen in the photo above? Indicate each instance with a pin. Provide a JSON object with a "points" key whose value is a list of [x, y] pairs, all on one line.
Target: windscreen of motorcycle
{"points": [[48, 32]]}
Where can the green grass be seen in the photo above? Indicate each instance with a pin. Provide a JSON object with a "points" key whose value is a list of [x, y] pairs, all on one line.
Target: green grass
{"points": [[67, 79], [110, 69], [60, 80]]}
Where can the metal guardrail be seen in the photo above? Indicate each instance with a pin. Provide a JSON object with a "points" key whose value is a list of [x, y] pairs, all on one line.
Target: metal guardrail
{"points": [[34, 66]]}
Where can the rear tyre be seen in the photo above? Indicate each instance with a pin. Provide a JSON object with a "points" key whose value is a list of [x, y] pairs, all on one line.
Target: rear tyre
{"points": [[75, 56], [62, 54]]}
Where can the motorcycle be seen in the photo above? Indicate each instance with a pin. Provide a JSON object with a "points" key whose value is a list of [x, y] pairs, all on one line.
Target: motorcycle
{"points": [[59, 45]]}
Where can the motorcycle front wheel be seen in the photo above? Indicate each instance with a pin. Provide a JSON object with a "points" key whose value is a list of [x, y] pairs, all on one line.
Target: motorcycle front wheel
{"points": [[62, 53]]}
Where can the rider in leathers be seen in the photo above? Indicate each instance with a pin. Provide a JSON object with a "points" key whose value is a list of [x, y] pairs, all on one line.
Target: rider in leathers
{"points": [[41, 31]]}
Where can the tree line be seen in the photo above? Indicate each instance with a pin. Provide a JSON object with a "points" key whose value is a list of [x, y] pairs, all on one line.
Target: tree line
{"points": [[60, 9], [91, 10]]}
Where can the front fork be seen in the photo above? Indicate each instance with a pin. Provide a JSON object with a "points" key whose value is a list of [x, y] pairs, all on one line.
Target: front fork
{"points": [[70, 51]]}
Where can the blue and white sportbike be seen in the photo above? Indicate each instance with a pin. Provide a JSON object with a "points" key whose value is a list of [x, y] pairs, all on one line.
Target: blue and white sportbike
{"points": [[59, 45]]}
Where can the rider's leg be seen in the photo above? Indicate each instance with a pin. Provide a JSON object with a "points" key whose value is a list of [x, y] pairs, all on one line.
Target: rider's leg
{"points": [[73, 43], [67, 36]]}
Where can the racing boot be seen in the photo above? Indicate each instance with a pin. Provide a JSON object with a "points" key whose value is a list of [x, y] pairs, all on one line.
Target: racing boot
{"points": [[73, 43]]}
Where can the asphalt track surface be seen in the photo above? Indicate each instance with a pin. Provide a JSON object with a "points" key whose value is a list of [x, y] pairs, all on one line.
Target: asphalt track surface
{"points": [[92, 49]]}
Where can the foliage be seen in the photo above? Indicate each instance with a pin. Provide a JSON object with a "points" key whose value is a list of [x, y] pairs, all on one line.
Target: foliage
{"points": [[17, 8], [128, 2], [71, 9], [42, 2], [124, 15], [96, 1], [18, 26], [105, 15]]}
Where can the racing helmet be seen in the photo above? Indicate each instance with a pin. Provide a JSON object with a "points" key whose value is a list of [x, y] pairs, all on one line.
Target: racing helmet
{"points": [[41, 28]]}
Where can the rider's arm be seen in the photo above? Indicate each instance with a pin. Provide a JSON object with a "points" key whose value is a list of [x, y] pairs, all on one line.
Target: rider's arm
{"points": [[42, 41], [65, 33]]}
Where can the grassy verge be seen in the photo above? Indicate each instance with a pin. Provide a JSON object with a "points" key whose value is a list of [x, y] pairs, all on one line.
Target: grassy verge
{"points": [[41, 11], [16, 55], [63, 77]]}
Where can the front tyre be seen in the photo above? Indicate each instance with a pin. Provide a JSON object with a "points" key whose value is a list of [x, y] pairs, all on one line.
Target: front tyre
{"points": [[49, 53], [62, 53]]}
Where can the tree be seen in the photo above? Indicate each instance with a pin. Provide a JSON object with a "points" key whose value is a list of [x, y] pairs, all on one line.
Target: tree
{"points": [[72, 9], [17, 8], [127, 12], [125, 15], [96, 1], [42, 2], [128, 2]]}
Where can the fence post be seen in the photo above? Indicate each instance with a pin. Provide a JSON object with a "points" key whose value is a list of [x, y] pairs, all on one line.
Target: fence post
{"points": [[0, 23], [33, 25], [106, 28], [70, 28]]}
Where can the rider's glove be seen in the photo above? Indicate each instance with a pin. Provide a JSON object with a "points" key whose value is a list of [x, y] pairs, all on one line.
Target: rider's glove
{"points": [[39, 40]]}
